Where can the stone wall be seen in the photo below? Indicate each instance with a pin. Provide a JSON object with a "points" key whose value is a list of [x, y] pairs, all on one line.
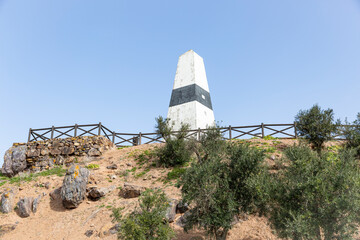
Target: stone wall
{"points": [[42, 155]]}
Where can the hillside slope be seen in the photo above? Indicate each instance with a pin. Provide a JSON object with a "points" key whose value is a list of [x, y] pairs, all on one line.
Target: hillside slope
{"points": [[53, 221]]}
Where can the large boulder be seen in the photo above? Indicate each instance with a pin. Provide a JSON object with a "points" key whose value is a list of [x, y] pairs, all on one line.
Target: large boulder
{"points": [[25, 206], [7, 201], [14, 160], [73, 190]]}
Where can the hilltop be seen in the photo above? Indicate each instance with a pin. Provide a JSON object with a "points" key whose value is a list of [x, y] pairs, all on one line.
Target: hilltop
{"points": [[133, 166]]}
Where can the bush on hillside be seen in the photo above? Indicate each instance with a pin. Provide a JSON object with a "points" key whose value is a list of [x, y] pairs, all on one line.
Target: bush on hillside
{"points": [[351, 132], [146, 222], [219, 188], [176, 150], [315, 196], [316, 125]]}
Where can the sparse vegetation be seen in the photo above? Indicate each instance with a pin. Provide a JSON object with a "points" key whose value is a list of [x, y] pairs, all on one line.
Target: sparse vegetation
{"points": [[93, 166], [176, 150], [147, 221]]}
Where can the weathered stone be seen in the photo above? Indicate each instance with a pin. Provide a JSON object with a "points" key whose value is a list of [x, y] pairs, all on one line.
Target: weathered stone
{"points": [[95, 193], [171, 211], [74, 186], [14, 160], [89, 233], [7, 199], [6, 228], [59, 160], [115, 229], [182, 207], [35, 204], [131, 191], [55, 194], [112, 166], [33, 152], [182, 220], [55, 151], [25, 206], [93, 152], [47, 185], [67, 150]]}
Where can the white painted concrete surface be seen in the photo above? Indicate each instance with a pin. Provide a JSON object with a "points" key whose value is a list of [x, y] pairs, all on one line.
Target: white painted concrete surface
{"points": [[191, 70]]}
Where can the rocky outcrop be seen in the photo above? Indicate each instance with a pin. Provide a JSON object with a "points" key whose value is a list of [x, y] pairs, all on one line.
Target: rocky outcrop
{"points": [[95, 193], [7, 199], [131, 191], [14, 160], [42, 155], [73, 190]]}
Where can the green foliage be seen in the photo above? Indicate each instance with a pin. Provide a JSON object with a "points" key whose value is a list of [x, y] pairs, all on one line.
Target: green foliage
{"points": [[352, 134], [176, 173], [59, 171], [92, 166], [116, 214], [315, 196], [316, 125], [218, 188], [147, 222], [269, 137], [176, 150]]}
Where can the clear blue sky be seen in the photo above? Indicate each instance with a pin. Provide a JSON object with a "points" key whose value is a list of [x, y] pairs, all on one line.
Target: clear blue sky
{"points": [[66, 62]]}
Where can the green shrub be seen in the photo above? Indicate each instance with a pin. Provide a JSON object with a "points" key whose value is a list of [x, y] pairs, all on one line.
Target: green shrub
{"points": [[92, 166], [176, 150], [146, 222], [352, 134], [316, 125], [315, 196], [176, 173], [219, 189]]}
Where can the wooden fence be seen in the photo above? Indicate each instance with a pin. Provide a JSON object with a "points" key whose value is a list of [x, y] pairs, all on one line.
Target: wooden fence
{"points": [[281, 131]]}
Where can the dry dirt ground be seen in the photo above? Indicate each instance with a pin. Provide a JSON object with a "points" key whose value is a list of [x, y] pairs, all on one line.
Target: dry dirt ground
{"points": [[52, 221]]}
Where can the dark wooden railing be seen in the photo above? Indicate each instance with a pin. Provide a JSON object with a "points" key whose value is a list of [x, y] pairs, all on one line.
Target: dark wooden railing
{"points": [[281, 131]]}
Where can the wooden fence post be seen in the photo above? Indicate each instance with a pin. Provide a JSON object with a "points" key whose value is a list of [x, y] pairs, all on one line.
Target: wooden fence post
{"points": [[198, 137], [75, 130], [113, 137], [52, 132], [99, 133], [230, 137], [295, 131], [262, 130], [139, 141], [30, 131]]}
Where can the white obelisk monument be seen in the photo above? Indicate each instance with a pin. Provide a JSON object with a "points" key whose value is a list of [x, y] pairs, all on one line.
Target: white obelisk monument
{"points": [[190, 99]]}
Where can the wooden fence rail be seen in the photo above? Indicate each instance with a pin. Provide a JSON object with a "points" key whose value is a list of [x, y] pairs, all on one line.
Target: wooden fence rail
{"points": [[281, 131]]}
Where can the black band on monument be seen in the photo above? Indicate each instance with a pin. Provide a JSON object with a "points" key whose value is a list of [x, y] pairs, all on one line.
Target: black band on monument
{"points": [[190, 93]]}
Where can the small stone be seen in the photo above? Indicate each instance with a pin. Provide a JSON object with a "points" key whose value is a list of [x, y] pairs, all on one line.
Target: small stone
{"points": [[131, 191], [95, 193], [47, 185], [272, 157], [35, 204], [6, 228], [129, 164], [113, 177], [89, 233], [171, 211], [113, 167], [92, 225], [55, 194]]}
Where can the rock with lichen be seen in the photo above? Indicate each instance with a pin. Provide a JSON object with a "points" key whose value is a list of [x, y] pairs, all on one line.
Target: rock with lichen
{"points": [[14, 160], [7, 198], [25, 206], [73, 190]]}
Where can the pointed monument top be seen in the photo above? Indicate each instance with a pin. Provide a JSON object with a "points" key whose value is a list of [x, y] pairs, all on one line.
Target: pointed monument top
{"points": [[190, 70]]}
